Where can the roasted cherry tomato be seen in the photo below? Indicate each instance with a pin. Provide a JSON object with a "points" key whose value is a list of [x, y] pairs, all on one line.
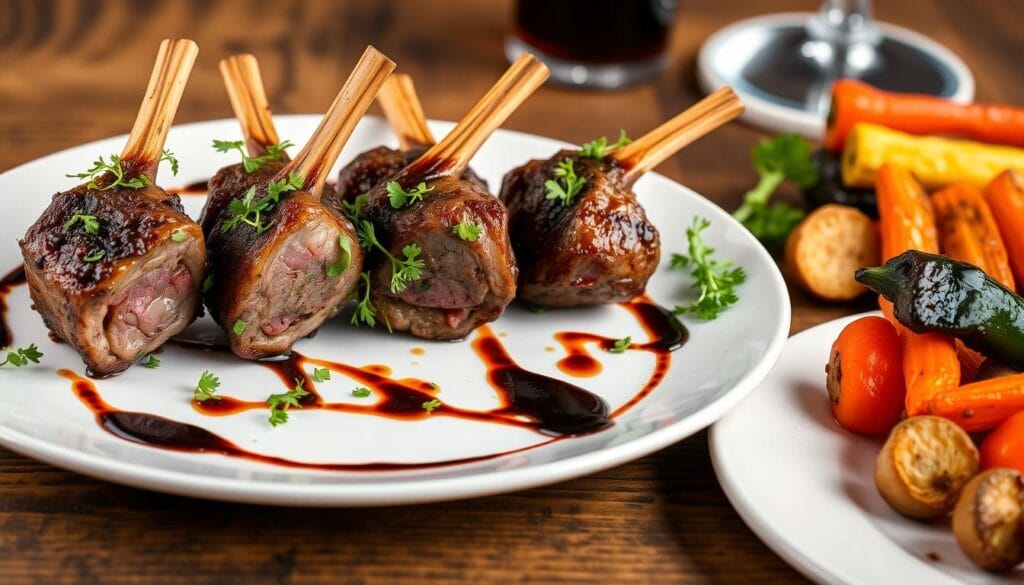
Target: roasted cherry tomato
{"points": [[865, 377], [1004, 447]]}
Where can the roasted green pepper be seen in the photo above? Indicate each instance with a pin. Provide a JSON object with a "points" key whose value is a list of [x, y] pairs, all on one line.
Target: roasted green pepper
{"points": [[937, 293]]}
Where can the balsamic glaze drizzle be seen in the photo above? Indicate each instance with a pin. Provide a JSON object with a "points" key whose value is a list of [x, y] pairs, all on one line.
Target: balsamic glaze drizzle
{"points": [[528, 400]]}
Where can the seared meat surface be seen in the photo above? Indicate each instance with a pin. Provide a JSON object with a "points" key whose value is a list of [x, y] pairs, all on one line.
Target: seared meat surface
{"points": [[230, 182], [601, 248], [464, 284], [373, 167], [123, 291], [272, 288]]}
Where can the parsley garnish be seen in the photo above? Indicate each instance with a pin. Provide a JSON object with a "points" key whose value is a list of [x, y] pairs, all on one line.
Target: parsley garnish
{"points": [[621, 345], [89, 223], [208, 282], [239, 327], [786, 157], [151, 362], [280, 403], [344, 259], [469, 232], [21, 356], [208, 384], [402, 271], [716, 280], [361, 392], [321, 375], [251, 164], [573, 185], [354, 210], [399, 197], [249, 211], [599, 148], [365, 311], [94, 256], [432, 405], [116, 168], [179, 236]]}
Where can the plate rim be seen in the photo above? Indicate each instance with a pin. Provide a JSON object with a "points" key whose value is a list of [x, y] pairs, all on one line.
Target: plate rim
{"points": [[768, 532], [414, 491]]}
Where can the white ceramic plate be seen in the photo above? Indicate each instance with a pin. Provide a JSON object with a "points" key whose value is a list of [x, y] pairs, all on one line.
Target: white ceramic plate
{"points": [[806, 486], [722, 362]]}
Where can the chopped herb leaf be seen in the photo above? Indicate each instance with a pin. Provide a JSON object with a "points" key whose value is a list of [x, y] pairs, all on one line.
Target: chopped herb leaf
{"points": [[251, 164], [716, 281], [151, 362], [207, 386], [94, 256], [280, 403], [179, 235], [115, 167], [89, 223], [321, 375], [344, 259], [399, 197], [361, 392], [354, 210], [621, 345], [21, 356], [239, 327], [467, 231], [402, 271], [565, 171], [431, 405], [599, 147]]}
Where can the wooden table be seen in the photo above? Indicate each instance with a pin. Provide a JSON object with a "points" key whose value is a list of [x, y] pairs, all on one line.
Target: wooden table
{"points": [[73, 72]]}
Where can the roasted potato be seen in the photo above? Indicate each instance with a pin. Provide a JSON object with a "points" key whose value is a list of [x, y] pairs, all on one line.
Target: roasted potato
{"points": [[988, 521]]}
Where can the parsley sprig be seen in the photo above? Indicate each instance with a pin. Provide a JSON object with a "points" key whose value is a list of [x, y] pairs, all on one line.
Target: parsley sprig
{"points": [[621, 345], [344, 259], [402, 271], [251, 164], [90, 224], [431, 405], [399, 197], [469, 232], [116, 168], [206, 387], [599, 148], [18, 357], [354, 210], [365, 311], [570, 184], [249, 210], [152, 362], [786, 157], [321, 374], [716, 280], [280, 403]]}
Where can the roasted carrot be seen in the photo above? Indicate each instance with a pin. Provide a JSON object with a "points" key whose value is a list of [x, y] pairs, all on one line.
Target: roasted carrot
{"points": [[970, 362], [980, 406], [855, 101], [1005, 197], [968, 232], [906, 222]]}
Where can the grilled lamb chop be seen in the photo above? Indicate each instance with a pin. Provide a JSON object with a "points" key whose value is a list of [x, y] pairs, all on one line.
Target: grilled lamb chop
{"points": [[465, 279], [114, 266], [596, 246], [283, 262], [402, 108]]}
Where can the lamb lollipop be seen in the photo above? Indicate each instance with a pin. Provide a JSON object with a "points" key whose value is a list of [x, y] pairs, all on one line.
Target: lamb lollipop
{"points": [[579, 233], [441, 264], [114, 265], [266, 154], [282, 262], [404, 113]]}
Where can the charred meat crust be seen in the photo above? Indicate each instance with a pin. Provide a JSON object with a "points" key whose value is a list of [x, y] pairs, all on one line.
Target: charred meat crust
{"points": [[601, 248], [464, 283], [136, 235], [373, 167]]}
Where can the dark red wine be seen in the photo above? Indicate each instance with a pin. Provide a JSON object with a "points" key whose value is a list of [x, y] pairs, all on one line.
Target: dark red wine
{"points": [[596, 31]]}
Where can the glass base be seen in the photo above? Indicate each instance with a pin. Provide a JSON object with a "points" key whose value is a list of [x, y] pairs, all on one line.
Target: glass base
{"points": [[784, 74], [589, 75]]}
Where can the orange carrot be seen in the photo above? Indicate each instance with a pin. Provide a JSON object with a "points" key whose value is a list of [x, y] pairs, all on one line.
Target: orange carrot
{"points": [[968, 232], [930, 364], [1005, 197], [855, 101], [980, 406], [970, 361]]}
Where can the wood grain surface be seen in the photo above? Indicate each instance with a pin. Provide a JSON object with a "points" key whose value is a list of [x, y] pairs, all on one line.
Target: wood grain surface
{"points": [[73, 72]]}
